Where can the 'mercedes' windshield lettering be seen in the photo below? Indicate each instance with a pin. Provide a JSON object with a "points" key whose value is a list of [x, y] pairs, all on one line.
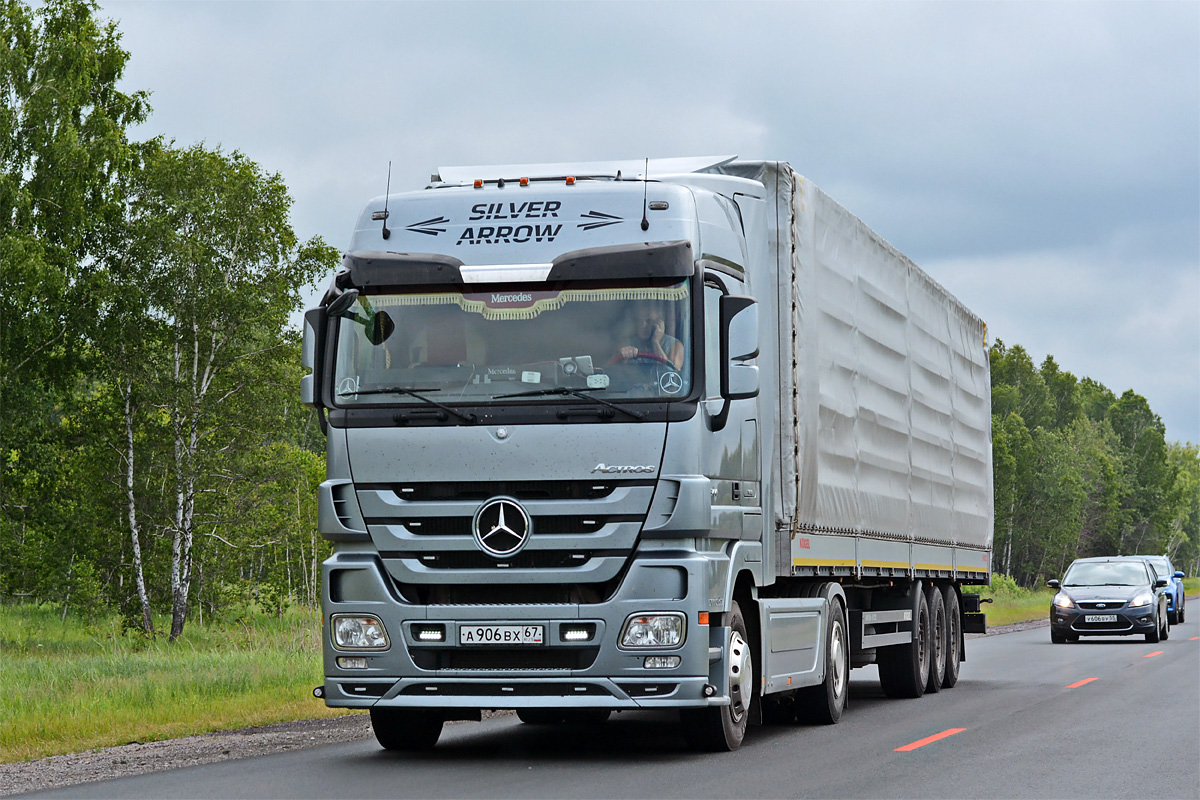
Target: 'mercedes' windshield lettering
{"points": [[515, 297]]}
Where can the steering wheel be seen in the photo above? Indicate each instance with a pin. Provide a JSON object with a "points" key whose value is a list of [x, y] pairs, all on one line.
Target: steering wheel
{"points": [[653, 357]]}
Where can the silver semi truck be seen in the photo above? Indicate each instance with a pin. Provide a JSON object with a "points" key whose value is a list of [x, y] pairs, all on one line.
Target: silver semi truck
{"points": [[672, 434]]}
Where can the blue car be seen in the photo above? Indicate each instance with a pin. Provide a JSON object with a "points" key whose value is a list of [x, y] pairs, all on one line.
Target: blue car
{"points": [[1175, 596]]}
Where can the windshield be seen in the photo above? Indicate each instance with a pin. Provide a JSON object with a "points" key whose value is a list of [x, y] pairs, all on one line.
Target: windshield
{"points": [[619, 341], [1160, 566], [1106, 573]]}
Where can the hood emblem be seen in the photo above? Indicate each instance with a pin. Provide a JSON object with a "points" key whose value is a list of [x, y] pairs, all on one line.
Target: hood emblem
{"points": [[1100, 605], [501, 527]]}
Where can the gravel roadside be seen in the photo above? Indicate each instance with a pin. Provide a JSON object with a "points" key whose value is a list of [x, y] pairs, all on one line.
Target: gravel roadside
{"points": [[136, 759]]}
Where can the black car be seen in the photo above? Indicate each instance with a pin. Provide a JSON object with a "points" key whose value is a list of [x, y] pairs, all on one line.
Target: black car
{"points": [[1114, 596]]}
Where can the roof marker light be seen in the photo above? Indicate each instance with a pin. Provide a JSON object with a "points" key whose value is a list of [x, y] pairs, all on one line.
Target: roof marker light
{"points": [[570, 180], [524, 181], [478, 183]]}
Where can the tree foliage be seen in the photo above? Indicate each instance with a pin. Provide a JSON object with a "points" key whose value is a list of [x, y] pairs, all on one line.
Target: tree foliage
{"points": [[1081, 472], [150, 439]]}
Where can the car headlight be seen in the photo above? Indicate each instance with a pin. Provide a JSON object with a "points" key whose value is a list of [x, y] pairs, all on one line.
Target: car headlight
{"points": [[358, 632], [653, 630], [1063, 600], [1143, 599]]}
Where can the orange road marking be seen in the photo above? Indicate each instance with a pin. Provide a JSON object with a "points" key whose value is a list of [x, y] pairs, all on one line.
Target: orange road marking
{"points": [[1077, 684], [1152, 655], [929, 740]]}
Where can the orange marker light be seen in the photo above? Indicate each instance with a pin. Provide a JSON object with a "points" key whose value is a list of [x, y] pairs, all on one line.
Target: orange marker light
{"points": [[524, 181], [478, 183], [702, 618], [570, 180]]}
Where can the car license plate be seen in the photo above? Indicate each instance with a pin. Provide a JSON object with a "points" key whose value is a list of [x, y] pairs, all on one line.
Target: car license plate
{"points": [[500, 634], [1100, 618]]}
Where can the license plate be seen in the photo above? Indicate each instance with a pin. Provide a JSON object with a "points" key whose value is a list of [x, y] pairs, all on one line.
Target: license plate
{"points": [[1100, 618], [500, 634]]}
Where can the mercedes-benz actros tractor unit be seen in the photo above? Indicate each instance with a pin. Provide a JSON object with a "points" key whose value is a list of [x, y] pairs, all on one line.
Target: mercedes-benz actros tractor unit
{"points": [[678, 434]]}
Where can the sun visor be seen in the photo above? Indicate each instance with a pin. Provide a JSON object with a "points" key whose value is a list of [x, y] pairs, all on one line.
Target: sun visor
{"points": [[624, 261], [381, 269]]}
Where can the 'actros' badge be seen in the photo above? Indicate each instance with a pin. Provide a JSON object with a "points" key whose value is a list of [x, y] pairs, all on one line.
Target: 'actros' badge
{"points": [[501, 527]]}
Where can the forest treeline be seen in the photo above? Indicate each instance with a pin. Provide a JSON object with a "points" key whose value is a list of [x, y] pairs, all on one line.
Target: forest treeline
{"points": [[154, 457]]}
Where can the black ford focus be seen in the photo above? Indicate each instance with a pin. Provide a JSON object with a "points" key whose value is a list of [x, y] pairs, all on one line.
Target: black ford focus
{"points": [[1115, 596]]}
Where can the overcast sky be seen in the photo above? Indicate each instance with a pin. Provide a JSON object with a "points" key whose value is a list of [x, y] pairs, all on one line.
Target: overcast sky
{"points": [[1039, 159]]}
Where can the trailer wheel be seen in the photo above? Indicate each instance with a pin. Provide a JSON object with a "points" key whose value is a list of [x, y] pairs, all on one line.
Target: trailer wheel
{"points": [[953, 637], [406, 728], [825, 702], [937, 639], [904, 668], [722, 728]]}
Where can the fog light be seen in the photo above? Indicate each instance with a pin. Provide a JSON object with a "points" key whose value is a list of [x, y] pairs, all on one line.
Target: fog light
{"points": [[662, 662], [358, 632], [653, 630], [352, 662], [429, 633], [577, 633]]}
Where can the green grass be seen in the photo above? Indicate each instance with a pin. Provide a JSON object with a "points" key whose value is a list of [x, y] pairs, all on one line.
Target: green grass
{"points": [[72, 687]]}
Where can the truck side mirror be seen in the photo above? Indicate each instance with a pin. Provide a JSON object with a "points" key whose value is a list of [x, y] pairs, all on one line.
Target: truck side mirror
{"points": [[739, 343], [312, 355]]}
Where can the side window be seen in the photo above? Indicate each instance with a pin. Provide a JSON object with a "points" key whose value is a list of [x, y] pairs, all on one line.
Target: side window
{"points": [[712, 340]]}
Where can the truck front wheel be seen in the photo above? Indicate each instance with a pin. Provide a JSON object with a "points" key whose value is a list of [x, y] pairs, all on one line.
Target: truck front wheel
{"points": [[825, 702], [721, 728], [406, 728]]}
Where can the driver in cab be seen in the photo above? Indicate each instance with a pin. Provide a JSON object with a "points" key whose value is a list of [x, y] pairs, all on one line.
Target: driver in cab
{"points": [[650, 339]]}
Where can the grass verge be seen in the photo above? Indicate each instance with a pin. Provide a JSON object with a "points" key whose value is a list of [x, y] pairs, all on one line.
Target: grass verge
{"points": [[73, 687]]}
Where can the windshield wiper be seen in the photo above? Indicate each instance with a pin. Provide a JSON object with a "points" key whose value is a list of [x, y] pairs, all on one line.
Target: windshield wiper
{"points": [[470, 419], [563, 390]]}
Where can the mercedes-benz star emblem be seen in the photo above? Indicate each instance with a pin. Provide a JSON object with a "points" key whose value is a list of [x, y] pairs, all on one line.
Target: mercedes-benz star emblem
{"points": [[670, 383], [501, 527]]}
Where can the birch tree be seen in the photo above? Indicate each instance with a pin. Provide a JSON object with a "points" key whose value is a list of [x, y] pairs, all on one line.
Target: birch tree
{"points": [[223, 274]]}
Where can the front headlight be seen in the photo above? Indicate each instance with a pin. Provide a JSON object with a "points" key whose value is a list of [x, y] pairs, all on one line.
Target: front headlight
{"points": [[358, 632], [1063, 600], [653, 630], [1143, 599]]}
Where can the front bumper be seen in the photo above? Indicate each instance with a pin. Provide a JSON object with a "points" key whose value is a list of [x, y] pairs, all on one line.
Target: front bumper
{"points": [[1076, 622], [557, 673]]}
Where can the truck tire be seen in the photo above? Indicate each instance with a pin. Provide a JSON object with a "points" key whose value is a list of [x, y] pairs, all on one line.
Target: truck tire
{"points": [[904, 668], [824, 703], [722, 728], [954, 640], [937, 639], [406, 728]]}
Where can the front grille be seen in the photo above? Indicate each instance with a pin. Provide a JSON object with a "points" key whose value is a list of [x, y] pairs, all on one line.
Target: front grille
{"points": [[505, 659], [521, 490], [1107, 605], [542, 525], [506, 594], [1121, 624], [535, 559]]}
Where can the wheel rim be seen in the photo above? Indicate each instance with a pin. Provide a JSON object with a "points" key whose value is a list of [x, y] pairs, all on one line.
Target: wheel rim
{"points": [[837, 650], [740, 676], [923, 647], [938, 661]]}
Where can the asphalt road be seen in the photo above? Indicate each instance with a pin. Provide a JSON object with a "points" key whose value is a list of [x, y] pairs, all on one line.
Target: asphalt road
{"points": [[1104, 718]]}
